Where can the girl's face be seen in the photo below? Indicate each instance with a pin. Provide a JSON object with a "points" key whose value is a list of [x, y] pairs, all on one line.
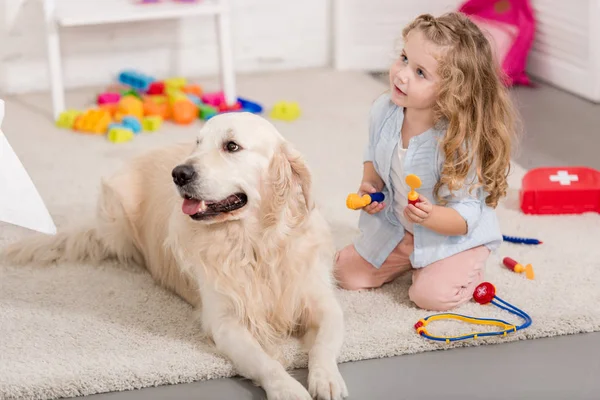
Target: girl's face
{"points": [[413, 77]]}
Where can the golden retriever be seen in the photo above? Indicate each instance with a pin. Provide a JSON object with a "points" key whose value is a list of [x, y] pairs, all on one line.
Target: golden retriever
{"points": [[228, 223]]}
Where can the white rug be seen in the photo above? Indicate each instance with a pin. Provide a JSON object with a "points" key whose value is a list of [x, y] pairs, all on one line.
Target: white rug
{"points": [[74, 330]]}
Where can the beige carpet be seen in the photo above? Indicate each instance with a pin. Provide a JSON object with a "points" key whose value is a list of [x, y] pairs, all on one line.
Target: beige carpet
{"points": [[74, 330]]}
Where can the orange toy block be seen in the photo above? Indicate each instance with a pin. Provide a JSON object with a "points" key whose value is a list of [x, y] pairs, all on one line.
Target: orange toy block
{"points": [[93, 121], [192, 89], [155, 108], [129, 105], [184, 111], [111, 108], [156, 98]]}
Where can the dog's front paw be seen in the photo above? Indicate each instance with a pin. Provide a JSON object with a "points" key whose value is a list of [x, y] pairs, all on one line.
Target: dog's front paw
{"points": [[287, 389], [326, 383]]}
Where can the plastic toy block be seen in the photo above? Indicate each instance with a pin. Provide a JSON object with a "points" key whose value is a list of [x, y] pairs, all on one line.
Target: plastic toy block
{"points": [[131, 92], [250, 106], [225, 108], [111, 108], [129, 105], [132, 123], [217, 99], [152, 123], [156, 98], [213, 99], [175, 95], [93, 121], [192, 89], [184, 111], [67, 119], [154, 107], [156, 88], [120, 135], [135, 79], [206, 112], [195, 99], [108, 98], [175, 83], [286, 111], [114, 125]]}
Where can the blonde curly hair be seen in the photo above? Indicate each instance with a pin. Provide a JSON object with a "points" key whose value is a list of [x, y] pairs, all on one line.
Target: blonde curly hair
{"points": [[473, 103]]}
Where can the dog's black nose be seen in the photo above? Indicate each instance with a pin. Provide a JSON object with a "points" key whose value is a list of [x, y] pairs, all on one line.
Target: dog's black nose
{"points": [[183, 174]]}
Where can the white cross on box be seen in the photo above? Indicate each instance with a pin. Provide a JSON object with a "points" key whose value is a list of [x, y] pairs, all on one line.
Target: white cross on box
{"points": [[564, 178]]}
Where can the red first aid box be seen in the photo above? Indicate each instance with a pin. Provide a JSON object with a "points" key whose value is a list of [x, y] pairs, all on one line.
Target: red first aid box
{"points": [[560, 190]]}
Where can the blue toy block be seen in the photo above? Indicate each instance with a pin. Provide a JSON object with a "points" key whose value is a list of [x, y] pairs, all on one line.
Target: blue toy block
{"points": [[135, 79], [250, 106], [195, 99], [115, 125], [132, 123]]}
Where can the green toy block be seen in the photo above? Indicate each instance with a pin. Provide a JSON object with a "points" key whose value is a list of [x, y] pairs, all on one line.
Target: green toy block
{"points": [[152, 123], [66, 119], [120, 135], [206, 112], [130, 92]]}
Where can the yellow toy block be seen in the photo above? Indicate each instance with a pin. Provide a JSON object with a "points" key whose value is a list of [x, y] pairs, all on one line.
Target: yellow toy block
{"points": [[94, 121], [152, 123], [120, 135], [175, 84], [284, 110], [156, 98], [175, 95], [129, 105], [67, 119]]}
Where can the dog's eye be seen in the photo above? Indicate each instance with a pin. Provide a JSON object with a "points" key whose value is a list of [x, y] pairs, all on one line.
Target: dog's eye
{"points": [[232, 147]]}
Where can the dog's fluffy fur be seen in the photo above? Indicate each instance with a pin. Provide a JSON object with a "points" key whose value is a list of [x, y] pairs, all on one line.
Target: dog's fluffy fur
{"points": [[258, 274]]}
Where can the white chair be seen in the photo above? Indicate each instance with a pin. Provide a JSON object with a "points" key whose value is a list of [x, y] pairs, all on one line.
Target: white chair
{"points": [[70, 13]]}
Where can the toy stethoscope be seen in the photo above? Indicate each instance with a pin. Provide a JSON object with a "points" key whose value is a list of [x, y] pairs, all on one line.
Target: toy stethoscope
{"points": [[483, 294]]}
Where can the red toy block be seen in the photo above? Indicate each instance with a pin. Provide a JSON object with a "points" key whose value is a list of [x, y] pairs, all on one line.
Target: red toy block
{"points": [[560, 190], [224, 107], [156, 88]]}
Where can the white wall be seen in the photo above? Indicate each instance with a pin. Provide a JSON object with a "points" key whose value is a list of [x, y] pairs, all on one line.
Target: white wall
{"points": [[268, 35], [566, 51], [365, 37]]}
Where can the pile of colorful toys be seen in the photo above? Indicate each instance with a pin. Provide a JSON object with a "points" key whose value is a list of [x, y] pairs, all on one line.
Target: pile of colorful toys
{"points": [[142, 103]]}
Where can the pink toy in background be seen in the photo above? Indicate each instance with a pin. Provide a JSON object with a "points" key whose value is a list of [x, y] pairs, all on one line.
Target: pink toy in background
{"points": [[560, 190], [217, 99], [108, 98], [510, 25]]}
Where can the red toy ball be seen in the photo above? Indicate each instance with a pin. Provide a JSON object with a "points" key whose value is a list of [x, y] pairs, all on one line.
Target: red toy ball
{"points": [[484, 293]]}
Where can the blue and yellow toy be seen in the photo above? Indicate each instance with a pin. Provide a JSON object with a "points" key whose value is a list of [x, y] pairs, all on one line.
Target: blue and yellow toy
{"points": [[483, 294], [354, 201]]}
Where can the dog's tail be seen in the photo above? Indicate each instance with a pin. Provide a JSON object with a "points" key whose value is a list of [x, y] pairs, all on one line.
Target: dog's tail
{"points": [[109, 236]]}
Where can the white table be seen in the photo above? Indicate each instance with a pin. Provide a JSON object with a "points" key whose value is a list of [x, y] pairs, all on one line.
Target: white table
{"points": [[71, 13]]}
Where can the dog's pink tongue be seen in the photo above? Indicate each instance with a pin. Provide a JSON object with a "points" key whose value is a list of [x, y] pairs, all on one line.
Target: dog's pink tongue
{"points": [[190, 206]]}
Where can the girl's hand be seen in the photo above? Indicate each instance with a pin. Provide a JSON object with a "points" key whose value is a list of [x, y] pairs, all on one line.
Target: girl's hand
{"points": [[374, 207], [420, 212]]}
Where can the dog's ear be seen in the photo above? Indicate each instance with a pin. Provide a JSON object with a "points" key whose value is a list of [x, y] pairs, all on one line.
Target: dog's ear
{"points": [[288, 172]]}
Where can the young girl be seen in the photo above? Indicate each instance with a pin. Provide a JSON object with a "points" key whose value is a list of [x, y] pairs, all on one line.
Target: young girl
{"points": [[447, 119]]}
